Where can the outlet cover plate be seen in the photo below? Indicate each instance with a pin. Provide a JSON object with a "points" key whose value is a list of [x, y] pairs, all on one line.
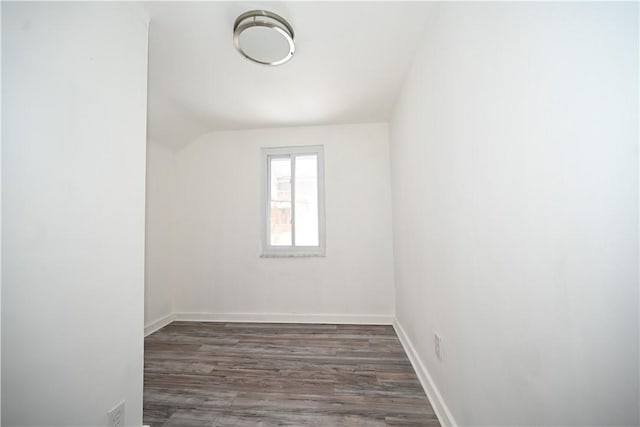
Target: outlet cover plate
{"points": [[437, 341], [116, 416]]}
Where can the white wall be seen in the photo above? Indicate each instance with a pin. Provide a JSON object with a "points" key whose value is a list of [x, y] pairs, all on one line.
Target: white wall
{"points": [[514, 148], [159, 260], [73, 182], [218, 223], [0, 234]]}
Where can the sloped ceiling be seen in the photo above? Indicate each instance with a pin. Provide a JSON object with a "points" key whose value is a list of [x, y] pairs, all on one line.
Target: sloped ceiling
{"points": [[350, 61]]}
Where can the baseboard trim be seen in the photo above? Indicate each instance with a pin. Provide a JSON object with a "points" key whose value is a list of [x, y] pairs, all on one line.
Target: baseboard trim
{"points": [[158, 324], [439, 406], [286, 318]]}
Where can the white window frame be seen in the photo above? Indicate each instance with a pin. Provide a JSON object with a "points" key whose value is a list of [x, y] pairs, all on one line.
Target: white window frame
{"points": [[268, 250]]}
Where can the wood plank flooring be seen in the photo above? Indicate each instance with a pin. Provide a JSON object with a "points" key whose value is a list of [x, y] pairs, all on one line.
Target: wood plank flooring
{"points": [[200, 374]]}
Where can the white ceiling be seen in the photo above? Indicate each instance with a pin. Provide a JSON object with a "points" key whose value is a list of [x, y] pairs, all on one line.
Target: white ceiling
{"points": [[350, 61]]}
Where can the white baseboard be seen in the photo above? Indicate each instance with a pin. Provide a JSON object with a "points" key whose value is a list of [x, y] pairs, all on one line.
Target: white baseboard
{"points": [[439, 406], [286, 318], [158, 324]]}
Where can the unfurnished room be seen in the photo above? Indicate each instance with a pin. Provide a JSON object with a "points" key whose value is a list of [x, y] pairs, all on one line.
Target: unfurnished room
{"points": [[320, 214]]}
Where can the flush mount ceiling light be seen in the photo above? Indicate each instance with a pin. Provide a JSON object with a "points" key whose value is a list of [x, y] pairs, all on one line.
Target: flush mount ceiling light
{"points": [[263, 37]]}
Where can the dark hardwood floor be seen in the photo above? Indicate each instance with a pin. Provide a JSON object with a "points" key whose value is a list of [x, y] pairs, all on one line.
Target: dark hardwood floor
{"points": [[256, 374]]}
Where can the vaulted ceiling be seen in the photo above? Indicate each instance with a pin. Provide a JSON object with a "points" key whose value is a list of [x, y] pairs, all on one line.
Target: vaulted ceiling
{"points": [[350, 62]]}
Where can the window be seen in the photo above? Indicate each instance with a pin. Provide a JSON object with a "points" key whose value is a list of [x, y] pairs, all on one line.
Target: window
{"points": [[293, 201]]}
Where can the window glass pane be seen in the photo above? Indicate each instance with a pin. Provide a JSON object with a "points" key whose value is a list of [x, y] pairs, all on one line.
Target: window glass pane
{"points": [[306, 200], [280, 201]]}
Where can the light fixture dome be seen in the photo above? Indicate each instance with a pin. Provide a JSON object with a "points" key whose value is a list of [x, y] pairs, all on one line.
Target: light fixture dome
{"points": [[263, 37]]}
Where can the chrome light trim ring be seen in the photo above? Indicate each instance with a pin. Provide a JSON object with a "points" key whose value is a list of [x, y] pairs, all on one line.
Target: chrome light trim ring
{"points": [[284, 29]]}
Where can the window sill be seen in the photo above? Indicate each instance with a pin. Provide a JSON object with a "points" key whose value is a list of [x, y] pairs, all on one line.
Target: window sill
{"points": [[292, 255]]}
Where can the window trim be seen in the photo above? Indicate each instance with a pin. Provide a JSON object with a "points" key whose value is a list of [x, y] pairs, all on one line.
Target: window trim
{"points": [[269, 251]]}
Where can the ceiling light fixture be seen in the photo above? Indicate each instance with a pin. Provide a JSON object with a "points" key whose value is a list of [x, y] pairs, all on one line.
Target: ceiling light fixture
{"points": [[263, 37]]}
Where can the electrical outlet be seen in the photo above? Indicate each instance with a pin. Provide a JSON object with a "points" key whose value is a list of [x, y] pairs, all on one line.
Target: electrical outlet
{"points": [[116, 416], [437, 345]]}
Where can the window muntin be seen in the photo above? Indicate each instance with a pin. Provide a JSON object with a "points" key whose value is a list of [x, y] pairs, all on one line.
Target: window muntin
{"points": [[293, 219]]}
